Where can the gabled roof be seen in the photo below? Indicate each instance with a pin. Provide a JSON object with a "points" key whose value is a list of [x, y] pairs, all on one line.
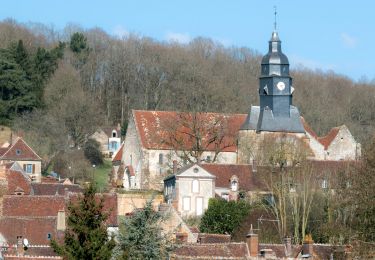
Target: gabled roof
{"points": [[153, 126], [212, 251], [224, 172], [118, 155], [327, 140], [20, 151]]}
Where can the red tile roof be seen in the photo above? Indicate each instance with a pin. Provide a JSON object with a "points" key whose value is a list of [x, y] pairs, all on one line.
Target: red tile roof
{"points": [[54, 188], [20, 151], [17, 179], [35, 229], [32, 206], [118, 155], [327, 140], [33, 252], [155, 127], [206, 238], [246, 179], [212, 251]]}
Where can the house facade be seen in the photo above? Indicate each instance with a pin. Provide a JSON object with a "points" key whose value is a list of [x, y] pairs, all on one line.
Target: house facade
{"points": [[18, 151], [109, 139]]}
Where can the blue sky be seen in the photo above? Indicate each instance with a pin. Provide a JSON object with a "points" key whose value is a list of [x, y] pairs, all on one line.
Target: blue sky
{"points": [[327, 34]]}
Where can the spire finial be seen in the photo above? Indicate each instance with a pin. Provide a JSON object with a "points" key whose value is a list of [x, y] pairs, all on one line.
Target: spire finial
{"points": [[275, 13]]}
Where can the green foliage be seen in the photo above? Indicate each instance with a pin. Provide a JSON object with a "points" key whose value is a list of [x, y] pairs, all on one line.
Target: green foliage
{"points": [[141, 237], [78, 43], [23, 76], [92, 152], [86, 235], [124, 128], [223, 217]]}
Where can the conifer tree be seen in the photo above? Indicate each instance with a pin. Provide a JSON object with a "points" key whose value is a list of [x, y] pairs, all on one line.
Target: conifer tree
{"points": [[141, 236], [86, 235]]}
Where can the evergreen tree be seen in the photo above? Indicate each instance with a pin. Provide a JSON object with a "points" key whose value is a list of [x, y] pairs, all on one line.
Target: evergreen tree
{"points": [[141, 236], [223, 217], [86, 235]]}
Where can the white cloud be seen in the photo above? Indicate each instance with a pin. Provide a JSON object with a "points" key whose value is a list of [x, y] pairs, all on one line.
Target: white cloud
{"points": [[120, 31], [348, 40], [178, 37]]}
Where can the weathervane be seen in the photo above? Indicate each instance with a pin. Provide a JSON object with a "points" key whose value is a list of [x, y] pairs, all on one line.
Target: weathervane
{"points": [[275, 13]]}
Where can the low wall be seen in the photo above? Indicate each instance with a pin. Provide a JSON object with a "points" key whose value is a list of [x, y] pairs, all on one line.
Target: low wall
{"points": [[126, 203]]}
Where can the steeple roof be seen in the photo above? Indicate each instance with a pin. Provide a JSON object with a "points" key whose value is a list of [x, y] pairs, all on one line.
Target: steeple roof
{"points": [[275, 55]]}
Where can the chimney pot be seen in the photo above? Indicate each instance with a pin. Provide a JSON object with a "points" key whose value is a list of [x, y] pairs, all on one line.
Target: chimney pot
{"points": [[252, 242]]}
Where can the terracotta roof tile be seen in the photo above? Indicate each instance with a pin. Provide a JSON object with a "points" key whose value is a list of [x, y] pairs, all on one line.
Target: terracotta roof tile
{"points": [[54, 188], [327, 140], [205, 238], [35, 229], [212, 251], [118, 155], [32, 206], [153, 128], [18, 179], [20, 151], [246, 179]]}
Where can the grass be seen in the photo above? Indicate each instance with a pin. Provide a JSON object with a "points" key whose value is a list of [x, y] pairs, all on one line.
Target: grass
{"points": [[101, 175]]}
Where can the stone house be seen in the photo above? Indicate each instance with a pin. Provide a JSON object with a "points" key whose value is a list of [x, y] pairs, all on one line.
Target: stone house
{"points": [[157, 138], [18, 151], [189, 190], [191, 187], [109, 139]]}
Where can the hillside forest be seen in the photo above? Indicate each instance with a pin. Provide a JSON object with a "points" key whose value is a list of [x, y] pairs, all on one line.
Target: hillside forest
{"points": [[59, 83]]}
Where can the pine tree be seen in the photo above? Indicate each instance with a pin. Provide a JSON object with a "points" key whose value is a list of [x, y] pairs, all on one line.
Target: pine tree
{"points": [[86, 235], [141, 236]]}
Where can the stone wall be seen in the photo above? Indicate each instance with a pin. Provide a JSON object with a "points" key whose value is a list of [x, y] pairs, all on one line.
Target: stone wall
{"points": [[126, 203]]}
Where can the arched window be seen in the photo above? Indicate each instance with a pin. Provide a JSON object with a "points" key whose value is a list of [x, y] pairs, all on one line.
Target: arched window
{"points": [[195, 186]]}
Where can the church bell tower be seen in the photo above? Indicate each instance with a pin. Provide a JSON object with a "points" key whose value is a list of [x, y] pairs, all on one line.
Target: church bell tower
{"points": [[275, 112]]}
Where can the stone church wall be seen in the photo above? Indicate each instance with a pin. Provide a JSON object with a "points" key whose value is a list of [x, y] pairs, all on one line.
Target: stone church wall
{"points": [[343, 146]]}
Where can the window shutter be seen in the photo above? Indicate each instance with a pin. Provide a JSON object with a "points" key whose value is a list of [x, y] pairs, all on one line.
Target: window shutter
{"points": [[33, 168], [24, 167]]}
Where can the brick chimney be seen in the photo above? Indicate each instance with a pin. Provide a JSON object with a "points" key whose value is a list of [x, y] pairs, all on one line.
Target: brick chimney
{"points": [[288, 246], [307, 247], [252, 242]]}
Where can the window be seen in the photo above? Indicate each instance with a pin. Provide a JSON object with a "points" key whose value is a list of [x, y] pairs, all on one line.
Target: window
{"points": [[18, 152], [208, 158], [49, 236], [114, 134], [186, 203], [29, 168], [324, 184], [195, 186], [161, 158], [234, 185], [113, 145]]}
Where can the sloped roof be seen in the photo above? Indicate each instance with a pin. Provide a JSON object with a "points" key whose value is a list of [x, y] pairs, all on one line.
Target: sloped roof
{"points": [[327, 140], [212, 251], [35, 229], [246, 179], [155, 127], [20, 151], [17, 179], [280, 251], [54, 188], [32, 206], [118, 155]]}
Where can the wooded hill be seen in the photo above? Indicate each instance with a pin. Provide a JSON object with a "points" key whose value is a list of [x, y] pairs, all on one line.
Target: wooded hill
{"points": [[111, 76]]}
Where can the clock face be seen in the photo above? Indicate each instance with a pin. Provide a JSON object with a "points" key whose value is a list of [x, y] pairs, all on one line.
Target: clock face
{"points": [[280, 85]]}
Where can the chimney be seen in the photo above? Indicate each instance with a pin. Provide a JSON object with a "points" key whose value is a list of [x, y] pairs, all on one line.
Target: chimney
{"points": [[20, 249], [61, 220], [252, 242], [174, 166], [307, 247], [288, 246]]}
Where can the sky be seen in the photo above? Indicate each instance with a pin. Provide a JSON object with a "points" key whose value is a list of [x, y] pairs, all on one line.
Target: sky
{"points": [[336, 35]]}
